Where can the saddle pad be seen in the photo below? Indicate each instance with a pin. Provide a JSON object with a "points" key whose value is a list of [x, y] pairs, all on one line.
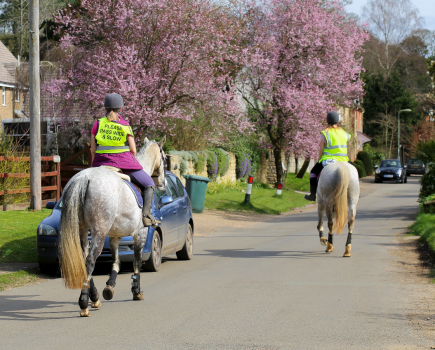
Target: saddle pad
{"points": [[138, 196]]}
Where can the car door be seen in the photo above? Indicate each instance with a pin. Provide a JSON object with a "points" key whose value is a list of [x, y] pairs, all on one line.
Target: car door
{"points": [[182, 209], [178, 202], [168, 217]]}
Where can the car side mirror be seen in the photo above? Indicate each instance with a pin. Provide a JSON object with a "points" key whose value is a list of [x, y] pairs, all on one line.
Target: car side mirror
{"points": [[165, 200], [50, 205]]}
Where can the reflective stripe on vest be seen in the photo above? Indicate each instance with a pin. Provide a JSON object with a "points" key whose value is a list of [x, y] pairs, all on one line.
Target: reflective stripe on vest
{"points": [[112, 137], [336, 145]]}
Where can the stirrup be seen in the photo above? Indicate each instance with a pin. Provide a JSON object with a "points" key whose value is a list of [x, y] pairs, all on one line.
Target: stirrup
{"points": [[310, 197]]}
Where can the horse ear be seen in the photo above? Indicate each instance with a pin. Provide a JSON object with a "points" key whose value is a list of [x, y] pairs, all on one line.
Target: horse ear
{"points": [[145, 141], [162, 141]]}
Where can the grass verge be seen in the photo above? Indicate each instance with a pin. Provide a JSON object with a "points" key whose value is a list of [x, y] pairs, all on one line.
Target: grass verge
{"points": [[263, 200], [424, 226], [18, 279], [18, 235]]}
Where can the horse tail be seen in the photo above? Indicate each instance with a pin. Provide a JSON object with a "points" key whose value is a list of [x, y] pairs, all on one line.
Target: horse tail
{"points": [[72, 264], [340, 199]]}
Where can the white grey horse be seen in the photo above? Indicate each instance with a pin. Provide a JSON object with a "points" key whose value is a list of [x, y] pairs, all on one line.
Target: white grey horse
{"points": [[98, 200], [337, 194]]}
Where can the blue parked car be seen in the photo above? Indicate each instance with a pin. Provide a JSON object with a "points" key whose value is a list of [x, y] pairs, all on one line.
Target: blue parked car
{"points": [[173, 235]]}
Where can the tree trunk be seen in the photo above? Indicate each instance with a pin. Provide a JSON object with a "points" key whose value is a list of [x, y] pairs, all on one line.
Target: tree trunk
{"points": [[296, 165], [278, 165], [303, 170]]}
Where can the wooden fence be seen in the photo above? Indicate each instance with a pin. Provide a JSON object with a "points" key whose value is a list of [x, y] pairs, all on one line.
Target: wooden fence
{"points": [[50, 180]]}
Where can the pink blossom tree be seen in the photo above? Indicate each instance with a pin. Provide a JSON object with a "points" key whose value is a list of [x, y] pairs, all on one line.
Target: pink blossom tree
{"points": [[303, 59], [167, 58]]}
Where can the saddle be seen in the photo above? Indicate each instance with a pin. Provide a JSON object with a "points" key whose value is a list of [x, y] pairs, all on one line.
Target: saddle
{"points": [[136, 190]]}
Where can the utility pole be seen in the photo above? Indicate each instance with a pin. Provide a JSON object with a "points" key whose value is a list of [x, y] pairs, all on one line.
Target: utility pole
{"points": [[35, 93]]}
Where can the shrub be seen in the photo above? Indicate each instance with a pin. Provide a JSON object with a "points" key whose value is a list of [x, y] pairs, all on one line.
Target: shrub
{"points": [[362, 167], [427, 182], [212, 165], [200, 163], [244, 165], [359, 168], [364, 157]]}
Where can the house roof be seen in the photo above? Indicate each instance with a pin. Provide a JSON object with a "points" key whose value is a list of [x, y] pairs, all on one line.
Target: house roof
{"points": [[7, 65]]}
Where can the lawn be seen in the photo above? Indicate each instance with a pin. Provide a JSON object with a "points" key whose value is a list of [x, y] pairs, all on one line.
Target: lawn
{"points": [[18, 279], [424, 227], [263, 200], [18, 235]]}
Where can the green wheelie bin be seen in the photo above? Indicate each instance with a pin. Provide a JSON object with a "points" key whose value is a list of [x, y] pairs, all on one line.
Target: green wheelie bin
{"points": [[196, 187]]}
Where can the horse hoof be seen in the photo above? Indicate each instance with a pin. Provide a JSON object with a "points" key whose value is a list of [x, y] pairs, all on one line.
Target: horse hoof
{"points": [[346, 255], [85, 313], [96, 304], [138, 296], [108, 292], [347, 251], [323, 241], [329, 248]]}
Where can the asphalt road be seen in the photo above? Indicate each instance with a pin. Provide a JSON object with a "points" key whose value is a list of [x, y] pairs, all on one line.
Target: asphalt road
{"points": [[271, 286]]}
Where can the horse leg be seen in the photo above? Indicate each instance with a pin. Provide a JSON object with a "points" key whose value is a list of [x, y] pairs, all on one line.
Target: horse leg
{"points": [[139, 243], [329, 246], [109, 290], [321, 213], [351, 223], [90, 289]]}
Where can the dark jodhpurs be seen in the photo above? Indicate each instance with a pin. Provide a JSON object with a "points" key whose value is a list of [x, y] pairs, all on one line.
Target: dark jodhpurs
{"points": [[140, 178]]}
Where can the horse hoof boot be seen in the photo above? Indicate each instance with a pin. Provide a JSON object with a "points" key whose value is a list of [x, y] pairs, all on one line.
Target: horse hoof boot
{"points": [[108, 292], [138, 296], [323, 241], [329, 248], [96, 304], [85, 313], [347, 251]]}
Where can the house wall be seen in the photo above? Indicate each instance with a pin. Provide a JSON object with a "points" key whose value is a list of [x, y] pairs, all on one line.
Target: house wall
{"points": [[7, 112]]}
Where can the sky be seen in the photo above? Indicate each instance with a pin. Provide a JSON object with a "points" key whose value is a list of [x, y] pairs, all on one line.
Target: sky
{"points": [[426, 8]]}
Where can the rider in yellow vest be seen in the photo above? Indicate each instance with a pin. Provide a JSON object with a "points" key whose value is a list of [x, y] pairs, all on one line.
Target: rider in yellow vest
{"points": [[113, 145], [333, 148]]}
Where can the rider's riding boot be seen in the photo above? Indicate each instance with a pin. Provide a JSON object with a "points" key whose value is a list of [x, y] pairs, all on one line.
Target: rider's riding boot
{"points": [[313, 190], [147, 215]]}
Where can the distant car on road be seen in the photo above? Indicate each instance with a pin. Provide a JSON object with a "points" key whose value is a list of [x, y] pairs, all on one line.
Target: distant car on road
{"points": [[391, 170], [173, 235], [415, 166]]}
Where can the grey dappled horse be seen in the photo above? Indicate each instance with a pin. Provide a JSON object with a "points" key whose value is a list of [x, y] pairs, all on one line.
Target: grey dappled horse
{"points": [[97, 199], [337, 194]]}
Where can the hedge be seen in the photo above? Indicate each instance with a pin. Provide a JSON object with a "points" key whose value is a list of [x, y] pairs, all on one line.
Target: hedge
{"points": [[359, 168], [363, 174], [365, 158]]}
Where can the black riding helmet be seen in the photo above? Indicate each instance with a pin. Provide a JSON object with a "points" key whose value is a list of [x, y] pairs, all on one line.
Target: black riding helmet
{"points": [[332, 118], [113, 101]]}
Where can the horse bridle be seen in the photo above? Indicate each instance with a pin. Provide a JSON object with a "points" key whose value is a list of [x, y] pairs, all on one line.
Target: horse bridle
{"points": [[162, 162]]}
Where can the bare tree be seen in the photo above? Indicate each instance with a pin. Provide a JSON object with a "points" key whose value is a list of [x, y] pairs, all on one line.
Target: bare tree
{"points": [[391, 21]]}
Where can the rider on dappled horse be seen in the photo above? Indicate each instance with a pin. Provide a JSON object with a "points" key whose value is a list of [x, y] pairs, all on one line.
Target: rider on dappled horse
{"points": [[333, 148], [113, 145]]}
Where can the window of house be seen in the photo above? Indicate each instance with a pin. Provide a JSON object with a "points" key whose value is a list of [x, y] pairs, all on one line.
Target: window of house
{"points": [[4, 96], [17, 95]]}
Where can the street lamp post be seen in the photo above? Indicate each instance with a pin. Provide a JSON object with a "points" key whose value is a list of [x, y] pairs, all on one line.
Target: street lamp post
{"points": [[398, 131]]}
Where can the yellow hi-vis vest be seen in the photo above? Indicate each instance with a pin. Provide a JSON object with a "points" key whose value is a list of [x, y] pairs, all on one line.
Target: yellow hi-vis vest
{"points": [[336, 145], [112, 137]]}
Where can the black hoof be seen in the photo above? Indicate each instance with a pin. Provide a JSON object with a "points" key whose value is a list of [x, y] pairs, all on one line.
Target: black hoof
{"points": [[108, 293]]}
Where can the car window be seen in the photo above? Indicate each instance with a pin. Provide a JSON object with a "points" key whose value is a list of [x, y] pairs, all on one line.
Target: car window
{"points": [[390, 164], [172, 188], [180, 187], [160, 194]]}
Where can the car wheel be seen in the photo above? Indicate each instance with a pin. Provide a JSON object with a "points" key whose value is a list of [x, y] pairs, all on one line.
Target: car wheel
{"points": [[187, 252], [402, 180], [49, 269], [406, 179], [155, 260]]}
